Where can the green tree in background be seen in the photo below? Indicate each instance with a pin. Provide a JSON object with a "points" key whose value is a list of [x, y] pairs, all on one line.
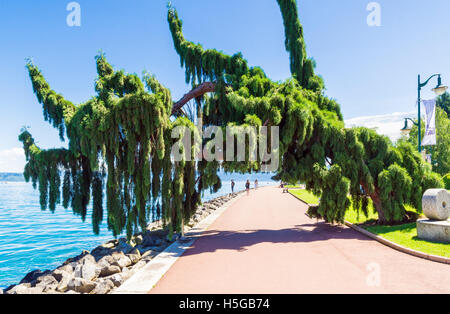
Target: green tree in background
{"points": [[440, 153], [443, 102], [120, 139]]}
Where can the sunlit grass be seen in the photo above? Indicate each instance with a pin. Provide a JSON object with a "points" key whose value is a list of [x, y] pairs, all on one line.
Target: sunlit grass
{"points": [[305, 196], [404, 235]]}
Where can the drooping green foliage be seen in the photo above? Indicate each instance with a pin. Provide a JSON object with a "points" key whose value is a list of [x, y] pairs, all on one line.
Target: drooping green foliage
{"points": [[120, 141], [302, 68]]}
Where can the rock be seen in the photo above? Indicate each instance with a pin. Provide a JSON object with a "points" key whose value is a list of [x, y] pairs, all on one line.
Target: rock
{"points": [[109, 270], [148, 239], [59, 273], [124, 246], [105, 261], [71, 292], [81, 285], [46, 281], [134, 256], [25, 288], [88, 270], [103, 287], [1, 291], [101, 251], [64, 283], [122, 262], [117, 280], [138, 239], [33, 275]]}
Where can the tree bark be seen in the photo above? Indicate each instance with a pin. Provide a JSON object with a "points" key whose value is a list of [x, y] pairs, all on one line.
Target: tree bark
{"points": [[376, 202], [206, 87]]}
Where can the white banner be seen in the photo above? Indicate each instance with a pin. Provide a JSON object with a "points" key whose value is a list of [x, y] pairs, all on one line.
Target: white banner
{"points": [[430, 123]]}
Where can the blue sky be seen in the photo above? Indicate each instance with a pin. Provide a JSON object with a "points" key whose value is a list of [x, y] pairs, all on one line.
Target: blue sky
{"points": [[371, 71]]}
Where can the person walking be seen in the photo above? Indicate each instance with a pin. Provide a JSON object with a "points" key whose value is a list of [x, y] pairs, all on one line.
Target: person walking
{"points": [[256, 184], [232, 186], [247, 187]]}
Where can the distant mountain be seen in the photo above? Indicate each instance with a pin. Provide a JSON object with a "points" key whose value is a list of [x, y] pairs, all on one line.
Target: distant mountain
{"points": [[11, 177]]}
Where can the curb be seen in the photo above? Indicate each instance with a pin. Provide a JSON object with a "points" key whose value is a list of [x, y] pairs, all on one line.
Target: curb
{"points": [[393, 245], [144, 280], [434, 258]]}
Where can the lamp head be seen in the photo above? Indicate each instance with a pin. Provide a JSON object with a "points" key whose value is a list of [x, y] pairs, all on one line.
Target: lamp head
{"points": [[440, 89], [406, 129]]}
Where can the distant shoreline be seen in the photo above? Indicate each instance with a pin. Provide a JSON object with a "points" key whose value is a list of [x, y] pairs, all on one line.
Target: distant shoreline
{"points": [[11, 177]]}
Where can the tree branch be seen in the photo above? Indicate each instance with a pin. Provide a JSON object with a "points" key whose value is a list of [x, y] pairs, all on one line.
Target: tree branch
{"points": [[207, 87]]}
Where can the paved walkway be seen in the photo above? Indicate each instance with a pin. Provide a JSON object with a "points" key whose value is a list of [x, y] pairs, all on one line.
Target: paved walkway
{"points": [[264, 243]]}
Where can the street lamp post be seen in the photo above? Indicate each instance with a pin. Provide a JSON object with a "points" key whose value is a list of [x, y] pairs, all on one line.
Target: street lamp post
{"points": [[439, 90]]}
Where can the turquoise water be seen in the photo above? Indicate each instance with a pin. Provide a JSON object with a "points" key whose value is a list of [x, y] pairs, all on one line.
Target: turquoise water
{"points": [[34, 239]]}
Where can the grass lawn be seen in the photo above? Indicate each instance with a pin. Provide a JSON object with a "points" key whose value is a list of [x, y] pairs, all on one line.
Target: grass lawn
{"points": [[305, 196], [405, 235]]}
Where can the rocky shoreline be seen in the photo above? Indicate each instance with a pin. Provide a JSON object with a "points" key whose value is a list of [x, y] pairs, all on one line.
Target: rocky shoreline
{"points": [[109, 265]]}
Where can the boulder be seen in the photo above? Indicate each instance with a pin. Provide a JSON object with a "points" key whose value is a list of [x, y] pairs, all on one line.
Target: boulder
{"points": [[122, 262], [103, 287], [109, 270], [100, 252], [134, 256], [63, 285], [46, 281], [88, 270], [59, 273], [124, 246], [25, 288], [33, 275], [117, 280], [138, 239], [81, 285], [105, 261]]}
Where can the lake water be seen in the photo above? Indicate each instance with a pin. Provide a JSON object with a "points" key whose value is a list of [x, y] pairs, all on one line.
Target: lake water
{"points": [[34, 239]]}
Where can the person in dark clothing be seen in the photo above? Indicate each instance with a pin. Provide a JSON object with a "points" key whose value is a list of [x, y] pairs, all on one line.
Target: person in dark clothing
{"points": [[247, 187], [232, 186]]}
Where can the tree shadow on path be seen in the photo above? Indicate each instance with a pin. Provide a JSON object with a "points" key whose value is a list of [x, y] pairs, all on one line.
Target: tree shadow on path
{"points": [[213, 240]]}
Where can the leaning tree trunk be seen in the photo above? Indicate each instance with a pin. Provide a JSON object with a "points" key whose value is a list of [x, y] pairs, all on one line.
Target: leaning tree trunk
{"points": [[377, 203]]}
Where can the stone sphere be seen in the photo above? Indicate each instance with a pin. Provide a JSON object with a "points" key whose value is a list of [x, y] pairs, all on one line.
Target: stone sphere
{"points": [[436, 204]]}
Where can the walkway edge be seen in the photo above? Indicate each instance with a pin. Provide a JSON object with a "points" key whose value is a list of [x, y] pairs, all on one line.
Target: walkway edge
{"points": [[146, 278], [434, 258]]}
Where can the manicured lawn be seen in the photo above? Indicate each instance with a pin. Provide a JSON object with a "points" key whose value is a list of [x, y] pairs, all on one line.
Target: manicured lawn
{"points": [[305, 196], [405, 235]]}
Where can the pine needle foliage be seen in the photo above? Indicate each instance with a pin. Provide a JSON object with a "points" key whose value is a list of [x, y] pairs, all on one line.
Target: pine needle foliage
{"points": [[119, 141]]}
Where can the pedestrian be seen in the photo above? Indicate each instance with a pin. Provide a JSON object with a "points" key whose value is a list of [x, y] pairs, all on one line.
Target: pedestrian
{"points": [[247, 187], [232, 186], [256, 184]]}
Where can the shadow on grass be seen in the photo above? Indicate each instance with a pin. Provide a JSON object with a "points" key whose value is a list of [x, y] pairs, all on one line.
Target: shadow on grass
{"points": [[213, 240]]}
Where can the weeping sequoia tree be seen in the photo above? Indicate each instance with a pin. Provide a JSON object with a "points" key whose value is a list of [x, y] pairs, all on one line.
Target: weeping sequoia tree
{"points": [[120, 140]]}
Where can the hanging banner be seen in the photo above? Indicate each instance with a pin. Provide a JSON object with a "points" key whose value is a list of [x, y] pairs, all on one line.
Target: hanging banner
{"points": [[430, 123]]}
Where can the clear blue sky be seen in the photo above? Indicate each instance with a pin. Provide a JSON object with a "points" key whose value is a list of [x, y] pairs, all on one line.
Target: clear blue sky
{"points": [[369, 70]]}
